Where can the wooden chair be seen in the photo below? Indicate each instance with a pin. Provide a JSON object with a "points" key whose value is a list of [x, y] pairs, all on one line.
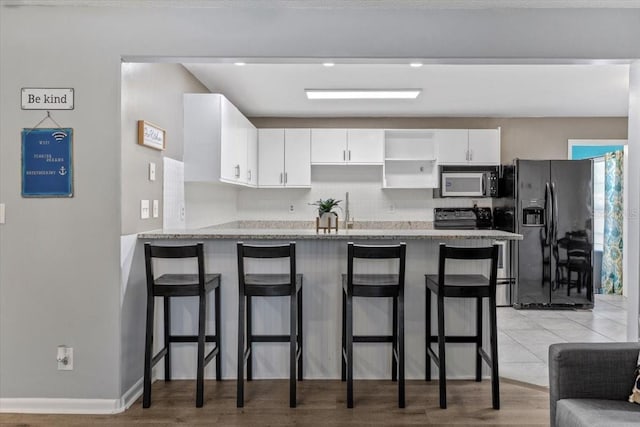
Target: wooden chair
{"points": [[269, 285], [374, 286], [169, 286], [463, 286]]}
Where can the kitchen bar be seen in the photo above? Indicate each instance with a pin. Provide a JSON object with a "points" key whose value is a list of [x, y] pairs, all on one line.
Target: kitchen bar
{"points": [[322, 258]]}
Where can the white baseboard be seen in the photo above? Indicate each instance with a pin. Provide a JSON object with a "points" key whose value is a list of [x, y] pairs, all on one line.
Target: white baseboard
{"points": [[72, 406]]}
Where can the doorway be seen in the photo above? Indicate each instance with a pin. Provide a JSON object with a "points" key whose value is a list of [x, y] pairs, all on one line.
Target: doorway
{"points": [[608, 202]]}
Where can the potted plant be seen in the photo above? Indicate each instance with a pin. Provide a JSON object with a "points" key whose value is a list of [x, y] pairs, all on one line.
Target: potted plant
{"points": [[327, 218]]}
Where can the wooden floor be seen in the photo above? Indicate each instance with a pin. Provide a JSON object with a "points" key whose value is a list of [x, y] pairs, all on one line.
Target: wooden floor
{"points": [[320, 403]]}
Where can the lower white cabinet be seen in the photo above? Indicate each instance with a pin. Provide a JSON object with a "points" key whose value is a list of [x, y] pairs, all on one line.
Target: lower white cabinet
{"points": [[284, 158]]}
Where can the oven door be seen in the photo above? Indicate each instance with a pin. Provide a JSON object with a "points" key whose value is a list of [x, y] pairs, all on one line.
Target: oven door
{"points": [[462, 184]]}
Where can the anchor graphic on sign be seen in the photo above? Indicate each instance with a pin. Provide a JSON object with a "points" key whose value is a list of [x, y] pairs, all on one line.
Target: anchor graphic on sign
{"points": [[62, 171]]}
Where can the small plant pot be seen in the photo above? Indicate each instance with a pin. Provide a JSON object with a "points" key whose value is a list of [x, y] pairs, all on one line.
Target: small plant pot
{"points": [[326, 222]]}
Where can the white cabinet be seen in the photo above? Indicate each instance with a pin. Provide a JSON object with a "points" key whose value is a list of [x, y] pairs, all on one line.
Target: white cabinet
{"points": [[347, 146], [284, 158], [410, 159], [252, 157], [468, 146], [484, 146], [365, 146], [453, 145], [220, 143]]}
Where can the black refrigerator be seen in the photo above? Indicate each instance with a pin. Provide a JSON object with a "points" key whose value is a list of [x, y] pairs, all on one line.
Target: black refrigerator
{"points": [[553, 206]]}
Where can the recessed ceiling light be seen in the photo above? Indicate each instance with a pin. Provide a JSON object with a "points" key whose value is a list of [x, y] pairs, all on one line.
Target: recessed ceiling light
{"points": [[416, 64], [328, 64], [240, 64], [362, 93]]}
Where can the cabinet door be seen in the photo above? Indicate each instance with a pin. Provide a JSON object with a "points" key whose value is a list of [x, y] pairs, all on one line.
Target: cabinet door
{"points": [[252, 156], [365, 146], [228, 132], [484, 146], [201, 137], [453, 146], [297, 157], [328, 146], [271, 157]]}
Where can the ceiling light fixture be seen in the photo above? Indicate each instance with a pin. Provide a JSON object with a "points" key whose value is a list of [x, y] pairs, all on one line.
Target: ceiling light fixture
{"points": [[362, 93], [416, 64], [328, 64], [240, 64]]}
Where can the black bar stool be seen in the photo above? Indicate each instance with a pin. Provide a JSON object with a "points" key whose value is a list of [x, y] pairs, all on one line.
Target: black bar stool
{"points": [[269, 285], [463, 286], [180, 285], [375, 286]]}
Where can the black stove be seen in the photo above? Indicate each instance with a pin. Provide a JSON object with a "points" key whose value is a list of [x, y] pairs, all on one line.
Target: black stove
{"points": [[462, 218]]}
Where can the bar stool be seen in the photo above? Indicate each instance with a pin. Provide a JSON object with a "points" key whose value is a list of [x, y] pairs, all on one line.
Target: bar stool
{"points": [[374, 286], [269, 285], [463, 286], [180, 285]]}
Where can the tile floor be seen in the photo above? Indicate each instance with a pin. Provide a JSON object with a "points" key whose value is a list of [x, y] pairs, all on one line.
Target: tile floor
{"points": [[524, 336]]}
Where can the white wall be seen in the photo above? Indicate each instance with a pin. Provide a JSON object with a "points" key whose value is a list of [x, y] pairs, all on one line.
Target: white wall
{"points": [[60, 258]]}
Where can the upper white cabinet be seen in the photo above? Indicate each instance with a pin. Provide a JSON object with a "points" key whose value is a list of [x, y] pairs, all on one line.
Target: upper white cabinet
{"points": [[220, 143], [484, 146], [284, 158], [468, 146], [347, 146]]}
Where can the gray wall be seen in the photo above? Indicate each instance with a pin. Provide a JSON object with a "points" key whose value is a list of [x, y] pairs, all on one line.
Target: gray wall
{"points": [[59, 263], [151, 92]]}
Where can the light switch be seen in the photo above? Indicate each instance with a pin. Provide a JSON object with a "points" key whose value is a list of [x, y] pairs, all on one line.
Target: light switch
{"points": [[152, 171], [1, 213], [144, 209], [156, 208]]}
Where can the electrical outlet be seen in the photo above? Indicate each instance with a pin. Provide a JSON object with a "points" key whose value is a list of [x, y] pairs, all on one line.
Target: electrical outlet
{"points": [[65, 358], [392, 208], [1, 213], [292, 208], [156, 209]]}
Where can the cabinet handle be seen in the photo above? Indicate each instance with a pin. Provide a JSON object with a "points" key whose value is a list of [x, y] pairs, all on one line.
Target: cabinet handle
{"points": [[281, 181], [344, 154], [237, 171], [249, 174], [349, 154], [466, 155], [285, 177], [470, 154]]}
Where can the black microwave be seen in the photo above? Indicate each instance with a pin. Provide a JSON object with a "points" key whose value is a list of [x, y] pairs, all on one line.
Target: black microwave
{"points": [[468, 181]]}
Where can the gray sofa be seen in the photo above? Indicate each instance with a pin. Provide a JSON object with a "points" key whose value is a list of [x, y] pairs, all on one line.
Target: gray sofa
{"points": [[589, 384]]}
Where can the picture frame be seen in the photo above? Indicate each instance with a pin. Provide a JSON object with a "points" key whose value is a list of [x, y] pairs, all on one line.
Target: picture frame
{"points": [[151, 136]]}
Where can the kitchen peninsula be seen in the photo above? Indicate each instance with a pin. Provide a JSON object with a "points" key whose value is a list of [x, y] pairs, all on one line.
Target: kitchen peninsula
{"points": [[321, 258]]}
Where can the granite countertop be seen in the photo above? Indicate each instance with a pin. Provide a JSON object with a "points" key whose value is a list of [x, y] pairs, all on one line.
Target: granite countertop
{"points": [[261, 231]]}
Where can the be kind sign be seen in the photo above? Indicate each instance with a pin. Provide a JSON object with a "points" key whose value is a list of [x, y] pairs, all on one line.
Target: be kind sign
{"points": [[47, 98]]}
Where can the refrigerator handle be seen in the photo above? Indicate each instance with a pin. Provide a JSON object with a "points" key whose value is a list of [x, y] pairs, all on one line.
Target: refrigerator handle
{"points": [[548, 206], [554, 212]]}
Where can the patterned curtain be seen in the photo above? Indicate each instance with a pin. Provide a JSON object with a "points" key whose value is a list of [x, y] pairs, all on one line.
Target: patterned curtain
{"points": [[613, 210]]}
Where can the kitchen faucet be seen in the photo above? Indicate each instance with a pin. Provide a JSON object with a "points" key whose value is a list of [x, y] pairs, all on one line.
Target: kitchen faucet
{"points": [[346, 211]]}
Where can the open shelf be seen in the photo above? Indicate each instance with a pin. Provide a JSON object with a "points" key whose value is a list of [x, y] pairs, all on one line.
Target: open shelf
{"points": [[410, 159]]}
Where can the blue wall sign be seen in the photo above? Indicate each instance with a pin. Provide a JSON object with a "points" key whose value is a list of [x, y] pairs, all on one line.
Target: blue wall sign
{"points": [[47, 163]]}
